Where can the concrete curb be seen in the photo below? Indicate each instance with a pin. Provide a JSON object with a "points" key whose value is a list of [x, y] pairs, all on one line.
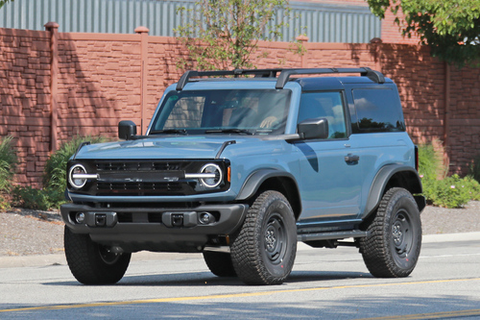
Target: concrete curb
{"points": [[59, 258], [451, 237]]}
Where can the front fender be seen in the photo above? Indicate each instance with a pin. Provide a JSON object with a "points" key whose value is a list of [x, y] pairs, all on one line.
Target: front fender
{"points": [[255, 180]]}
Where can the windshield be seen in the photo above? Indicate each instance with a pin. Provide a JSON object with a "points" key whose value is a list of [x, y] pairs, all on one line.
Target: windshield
{"points": [[223, 111]]}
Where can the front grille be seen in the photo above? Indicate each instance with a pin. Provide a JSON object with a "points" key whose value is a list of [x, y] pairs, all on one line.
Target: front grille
{"points": [[147, 177]]}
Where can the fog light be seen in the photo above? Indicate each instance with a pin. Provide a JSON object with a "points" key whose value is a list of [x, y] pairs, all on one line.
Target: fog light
{"points": [[206, 218], [80, 217]]}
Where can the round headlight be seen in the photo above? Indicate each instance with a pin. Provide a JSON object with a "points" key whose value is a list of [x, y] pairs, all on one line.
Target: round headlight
{"points": [[216, 173], [76, 182]]}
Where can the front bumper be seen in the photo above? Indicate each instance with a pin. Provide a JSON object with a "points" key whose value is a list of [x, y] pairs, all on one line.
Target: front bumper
{"points": [[155, 229]]}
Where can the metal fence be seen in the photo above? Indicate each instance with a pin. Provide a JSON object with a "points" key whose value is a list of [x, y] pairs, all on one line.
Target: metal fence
{"points": [[320, 22]]}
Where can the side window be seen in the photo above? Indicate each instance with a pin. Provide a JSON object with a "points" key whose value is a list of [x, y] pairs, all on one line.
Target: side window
{"points": [[378, 110], [327, 105]]}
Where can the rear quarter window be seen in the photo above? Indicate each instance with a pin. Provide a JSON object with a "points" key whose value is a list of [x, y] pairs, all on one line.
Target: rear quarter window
{"points": [[377, 110]]}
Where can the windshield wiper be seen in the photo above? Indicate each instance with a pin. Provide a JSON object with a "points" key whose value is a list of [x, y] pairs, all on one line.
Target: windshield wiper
{"points": [[245, 131], [167, 131]]}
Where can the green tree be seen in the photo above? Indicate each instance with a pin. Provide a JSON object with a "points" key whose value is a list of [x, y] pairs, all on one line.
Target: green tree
{"points": [[220, 34], [2, 2], [450, 27]]}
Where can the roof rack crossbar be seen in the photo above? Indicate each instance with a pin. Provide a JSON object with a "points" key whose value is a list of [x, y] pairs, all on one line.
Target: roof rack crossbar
{"points": [[371, 74], [236, 72]]}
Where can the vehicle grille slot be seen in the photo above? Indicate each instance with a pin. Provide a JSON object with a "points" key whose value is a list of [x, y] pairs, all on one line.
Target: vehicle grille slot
{"points": [[138, 165], [137, 188], [154, 217], [125, 217]]}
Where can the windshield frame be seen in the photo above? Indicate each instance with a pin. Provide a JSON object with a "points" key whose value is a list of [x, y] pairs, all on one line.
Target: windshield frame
{"points": [[232, 85]]}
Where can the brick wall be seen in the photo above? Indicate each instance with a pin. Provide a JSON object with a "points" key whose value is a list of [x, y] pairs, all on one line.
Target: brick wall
{"points": [[98, 83], [101, 79], [25, 97], [391, 31]]}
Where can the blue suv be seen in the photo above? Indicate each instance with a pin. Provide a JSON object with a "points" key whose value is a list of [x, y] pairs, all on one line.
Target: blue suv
{"points": [[242, 164]]}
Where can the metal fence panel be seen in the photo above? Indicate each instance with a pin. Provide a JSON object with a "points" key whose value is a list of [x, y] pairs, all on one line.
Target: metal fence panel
{"points": [[320, 22]]}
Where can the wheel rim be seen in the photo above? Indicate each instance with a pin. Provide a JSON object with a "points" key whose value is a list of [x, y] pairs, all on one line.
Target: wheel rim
{"points": [[402, 236], [275, 239], [107, 255]]}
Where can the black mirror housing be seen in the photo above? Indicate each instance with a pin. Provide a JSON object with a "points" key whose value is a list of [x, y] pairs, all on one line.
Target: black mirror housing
{"points": [[127, 129], [313, 128]]}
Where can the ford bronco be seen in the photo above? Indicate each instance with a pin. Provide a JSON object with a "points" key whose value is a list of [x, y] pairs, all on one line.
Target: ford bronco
{"points": [[240, 165]]}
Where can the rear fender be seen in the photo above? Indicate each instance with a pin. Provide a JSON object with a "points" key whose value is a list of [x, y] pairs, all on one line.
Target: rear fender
{"points": [[394, 175]]}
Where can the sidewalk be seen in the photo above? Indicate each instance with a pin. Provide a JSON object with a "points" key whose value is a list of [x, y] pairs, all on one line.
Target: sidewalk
{"points": [[59, 259]]}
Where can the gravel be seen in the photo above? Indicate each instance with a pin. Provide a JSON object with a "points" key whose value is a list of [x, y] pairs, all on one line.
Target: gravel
{"points": [[32, 232], [28, 232]]}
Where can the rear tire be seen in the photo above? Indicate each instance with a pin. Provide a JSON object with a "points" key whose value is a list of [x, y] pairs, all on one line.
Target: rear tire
{"points": [[265, 249], [394, 239], [92, 263], [219, 263]]}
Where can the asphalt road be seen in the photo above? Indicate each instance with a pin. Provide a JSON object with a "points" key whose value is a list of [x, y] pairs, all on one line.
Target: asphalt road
{"points": [[325, 284]]}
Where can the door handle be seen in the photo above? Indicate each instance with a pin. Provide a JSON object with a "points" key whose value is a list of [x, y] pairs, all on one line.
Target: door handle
{"points": [[351, 158]]}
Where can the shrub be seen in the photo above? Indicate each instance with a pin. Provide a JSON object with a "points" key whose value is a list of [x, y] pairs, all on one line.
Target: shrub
{"points": [[439, 190], [475, 168], [30, 198], [451, 192], [55, 176], [8, 162], [473, 187], [430, 161]]}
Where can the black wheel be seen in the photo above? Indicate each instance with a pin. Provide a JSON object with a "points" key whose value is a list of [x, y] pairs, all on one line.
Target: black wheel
{"points": [[91, 263], [265, 249], [393, 245], [219, 263]]}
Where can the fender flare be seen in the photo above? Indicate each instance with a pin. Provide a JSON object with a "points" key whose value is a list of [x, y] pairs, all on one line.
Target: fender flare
{"points": [[381, 180], [255, 180]]}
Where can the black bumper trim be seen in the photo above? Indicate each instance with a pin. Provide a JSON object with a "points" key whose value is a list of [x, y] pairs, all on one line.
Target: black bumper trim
{"points": [[142, 234]]}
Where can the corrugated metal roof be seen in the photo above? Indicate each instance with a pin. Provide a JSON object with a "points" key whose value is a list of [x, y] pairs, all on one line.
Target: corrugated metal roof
{"points": [[319, 21]]}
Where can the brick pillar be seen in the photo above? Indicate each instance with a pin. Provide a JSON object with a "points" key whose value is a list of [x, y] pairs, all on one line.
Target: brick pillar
{"points": [[52, 27], [143, 31], [303, 41], [376, 43]]}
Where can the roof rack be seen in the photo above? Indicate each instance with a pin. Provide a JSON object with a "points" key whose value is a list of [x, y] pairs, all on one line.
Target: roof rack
{"points": [[264, 73], [284, 76], [371, 74]]}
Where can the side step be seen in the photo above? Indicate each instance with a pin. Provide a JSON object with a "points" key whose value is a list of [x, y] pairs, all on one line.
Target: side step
{"points": [[337, 235]]}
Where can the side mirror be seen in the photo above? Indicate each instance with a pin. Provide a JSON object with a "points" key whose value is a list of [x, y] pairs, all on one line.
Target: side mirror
{"points": [[313, 128], [127, 129]]}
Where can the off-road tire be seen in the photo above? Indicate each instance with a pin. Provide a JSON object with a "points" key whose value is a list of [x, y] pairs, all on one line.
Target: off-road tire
{"points": [[394, 239], [91, 263], [264, 251], [219, 263]]}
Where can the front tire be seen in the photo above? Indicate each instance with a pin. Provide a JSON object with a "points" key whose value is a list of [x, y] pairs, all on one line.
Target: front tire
{"points": [[394, 239], [264, 251], [92, 263]]}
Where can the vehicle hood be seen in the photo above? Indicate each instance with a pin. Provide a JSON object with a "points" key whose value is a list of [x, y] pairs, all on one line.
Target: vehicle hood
{"points": [[166, 147]]}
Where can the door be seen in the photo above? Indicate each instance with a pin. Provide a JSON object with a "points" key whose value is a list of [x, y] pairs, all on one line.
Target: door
{"points": [[331, 178]]}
